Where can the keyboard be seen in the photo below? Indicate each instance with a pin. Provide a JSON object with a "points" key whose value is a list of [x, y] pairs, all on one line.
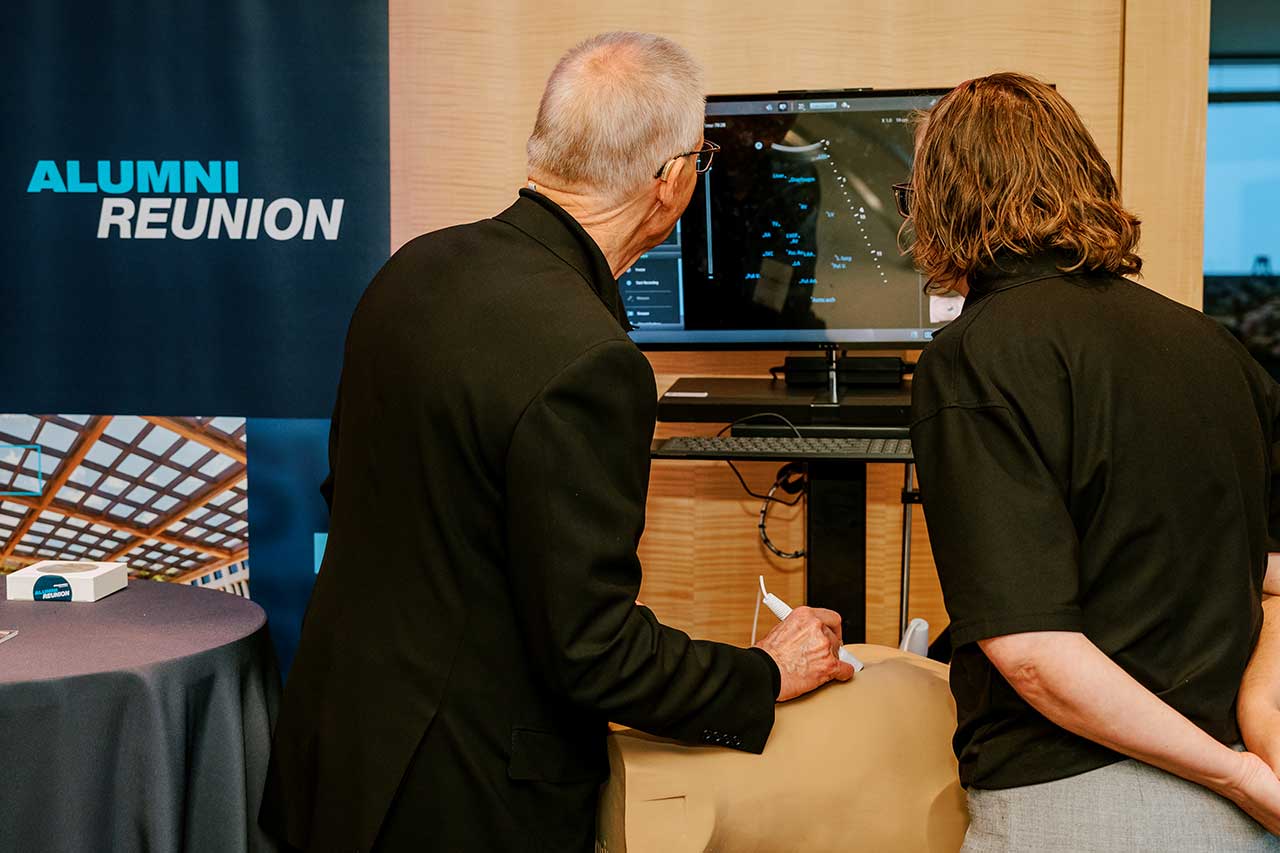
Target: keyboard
{"points": [[783, 448]]}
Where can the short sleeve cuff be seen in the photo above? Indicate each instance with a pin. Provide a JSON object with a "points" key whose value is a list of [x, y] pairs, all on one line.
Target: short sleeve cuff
{"points": [[973, 630]]}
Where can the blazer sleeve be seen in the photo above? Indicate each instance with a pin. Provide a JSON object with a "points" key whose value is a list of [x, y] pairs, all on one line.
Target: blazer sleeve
{"points": [[577, 475]]}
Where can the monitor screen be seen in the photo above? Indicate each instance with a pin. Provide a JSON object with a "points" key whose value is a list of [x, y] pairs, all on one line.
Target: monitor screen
{"points": [[791, 238]]}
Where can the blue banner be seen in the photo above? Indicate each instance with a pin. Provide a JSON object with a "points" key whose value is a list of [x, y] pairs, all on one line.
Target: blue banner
{"points": [[195, 196]]}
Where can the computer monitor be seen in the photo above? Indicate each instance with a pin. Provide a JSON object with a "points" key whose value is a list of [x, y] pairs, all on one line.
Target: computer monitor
{"points": [[791, 238]]}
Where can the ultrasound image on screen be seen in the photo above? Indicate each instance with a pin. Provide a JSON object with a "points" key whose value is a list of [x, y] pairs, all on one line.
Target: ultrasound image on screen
{"points": [[792, 236]]}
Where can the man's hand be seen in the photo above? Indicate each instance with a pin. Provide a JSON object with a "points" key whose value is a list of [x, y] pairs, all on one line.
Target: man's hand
{"points": [[805, 645], [1256, 790]]}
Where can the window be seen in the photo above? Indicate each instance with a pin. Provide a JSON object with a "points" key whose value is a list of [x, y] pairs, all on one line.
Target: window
{"points": [[1242, 204]]}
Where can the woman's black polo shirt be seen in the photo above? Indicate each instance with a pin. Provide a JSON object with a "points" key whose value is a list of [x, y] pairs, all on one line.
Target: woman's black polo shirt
{"points": [[1093, 457]]}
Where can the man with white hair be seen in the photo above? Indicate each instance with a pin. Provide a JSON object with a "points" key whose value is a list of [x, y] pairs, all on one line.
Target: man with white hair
{"points": [[474, 624]]}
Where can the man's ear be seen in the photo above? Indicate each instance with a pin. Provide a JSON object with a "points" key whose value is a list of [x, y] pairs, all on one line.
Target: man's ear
{"points": [[672, 172]]}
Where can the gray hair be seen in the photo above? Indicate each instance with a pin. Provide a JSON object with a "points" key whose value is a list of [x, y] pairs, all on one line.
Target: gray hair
{"points": [[616, 107]]}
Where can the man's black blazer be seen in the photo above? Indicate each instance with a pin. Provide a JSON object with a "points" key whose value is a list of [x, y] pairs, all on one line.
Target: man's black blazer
{"points": [[473, 625]]}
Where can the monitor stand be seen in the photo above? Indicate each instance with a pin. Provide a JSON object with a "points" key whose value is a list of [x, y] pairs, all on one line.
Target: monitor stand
{"points": [[836, 517], [829, 399]]}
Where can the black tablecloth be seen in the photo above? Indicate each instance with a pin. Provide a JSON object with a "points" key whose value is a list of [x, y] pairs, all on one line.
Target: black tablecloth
{"points": [[138, 722]]}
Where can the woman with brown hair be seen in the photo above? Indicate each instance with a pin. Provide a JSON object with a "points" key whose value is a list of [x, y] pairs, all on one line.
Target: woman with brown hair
{"points": [[1100, 471]]}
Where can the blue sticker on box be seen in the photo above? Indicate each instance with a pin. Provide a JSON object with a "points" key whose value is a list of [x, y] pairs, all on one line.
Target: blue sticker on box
{"points": [[51, 588]]}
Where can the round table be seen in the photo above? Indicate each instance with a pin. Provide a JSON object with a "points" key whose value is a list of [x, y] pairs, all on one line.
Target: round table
{"points": [[138, 722]]}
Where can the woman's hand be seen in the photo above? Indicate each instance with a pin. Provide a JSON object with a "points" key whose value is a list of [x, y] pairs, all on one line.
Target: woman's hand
{"points": [[1258, 703], [1068, 679], [1260, 725], [1256, 790]]}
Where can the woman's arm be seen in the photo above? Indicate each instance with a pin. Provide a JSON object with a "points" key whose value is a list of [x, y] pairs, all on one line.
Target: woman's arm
{"points": [[1258, 710], [1067, 678]]}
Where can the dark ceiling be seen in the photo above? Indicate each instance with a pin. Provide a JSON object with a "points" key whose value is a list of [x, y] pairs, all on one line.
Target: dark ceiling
{"points": [[1244, 28]]}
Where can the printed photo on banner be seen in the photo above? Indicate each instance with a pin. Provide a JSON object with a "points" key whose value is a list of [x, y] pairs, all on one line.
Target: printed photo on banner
{"points": [[168, 496]]}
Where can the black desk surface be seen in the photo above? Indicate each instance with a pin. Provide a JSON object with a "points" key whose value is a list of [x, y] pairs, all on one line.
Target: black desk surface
{"points": [[721, 400]]}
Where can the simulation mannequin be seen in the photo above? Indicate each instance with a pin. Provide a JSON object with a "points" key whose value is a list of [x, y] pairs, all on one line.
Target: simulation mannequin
{"points": [[887, 782]]}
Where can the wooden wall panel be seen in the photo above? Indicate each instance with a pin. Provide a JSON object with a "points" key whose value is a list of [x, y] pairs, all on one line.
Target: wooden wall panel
{"points": [[466, 76], [1164, 110], [465, 82]]}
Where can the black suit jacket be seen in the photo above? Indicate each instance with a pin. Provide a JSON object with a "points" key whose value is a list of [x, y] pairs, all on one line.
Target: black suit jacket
{"points": [[474, 625]]}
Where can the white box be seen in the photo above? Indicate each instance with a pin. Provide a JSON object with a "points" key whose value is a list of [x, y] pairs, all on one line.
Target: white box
{"points": [[66, 580]]}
